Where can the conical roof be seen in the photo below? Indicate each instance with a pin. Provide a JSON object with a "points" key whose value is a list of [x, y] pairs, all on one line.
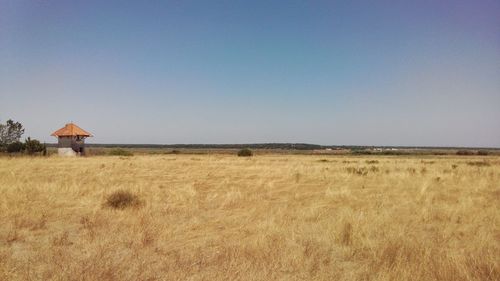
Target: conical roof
{"points": [[71, 130]]}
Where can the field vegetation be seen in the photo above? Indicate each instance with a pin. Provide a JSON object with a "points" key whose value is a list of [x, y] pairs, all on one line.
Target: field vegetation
{"points": [[266, 217]]}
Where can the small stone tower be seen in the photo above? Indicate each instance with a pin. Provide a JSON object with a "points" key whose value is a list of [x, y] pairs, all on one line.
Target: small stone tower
{"points": [[71, 140]]}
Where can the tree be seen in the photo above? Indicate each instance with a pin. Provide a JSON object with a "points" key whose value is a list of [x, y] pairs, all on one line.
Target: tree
{"points": [[10, 132], [34, 146]]}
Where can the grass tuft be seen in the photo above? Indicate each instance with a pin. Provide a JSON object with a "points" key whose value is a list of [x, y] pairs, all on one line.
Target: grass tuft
{"points": [[245, 152], [122, 199], [479, 163], [346, 234]]}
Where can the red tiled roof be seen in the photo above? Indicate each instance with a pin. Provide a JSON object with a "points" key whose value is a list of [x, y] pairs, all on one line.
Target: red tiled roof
{"points": [[71, 130]]}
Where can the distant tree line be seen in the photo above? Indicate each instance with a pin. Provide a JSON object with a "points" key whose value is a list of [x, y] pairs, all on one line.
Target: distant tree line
{"points": [[296, 146], [284, 146], [10, 140]]}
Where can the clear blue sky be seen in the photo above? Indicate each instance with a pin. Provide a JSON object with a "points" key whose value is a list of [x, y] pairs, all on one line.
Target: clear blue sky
{"points": [[328, 72]]}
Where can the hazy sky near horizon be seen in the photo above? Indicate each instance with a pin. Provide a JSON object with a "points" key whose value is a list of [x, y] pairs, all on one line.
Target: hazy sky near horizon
{"points": [[423, 73]]}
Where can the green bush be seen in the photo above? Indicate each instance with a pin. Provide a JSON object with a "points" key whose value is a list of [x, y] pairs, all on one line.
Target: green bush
{"points": [[120, 152], [15, 147], [245, 152]]}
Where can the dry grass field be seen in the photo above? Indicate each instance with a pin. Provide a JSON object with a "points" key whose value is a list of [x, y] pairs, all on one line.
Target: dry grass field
{"points": [[272, 217]]}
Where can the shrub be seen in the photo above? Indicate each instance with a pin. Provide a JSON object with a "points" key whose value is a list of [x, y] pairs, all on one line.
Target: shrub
{"points": [[122, 199], [245, 152], [482, 152], [393, 152], [34, 146], [120, 152], [361, 152], [465, 152], [95, 151], [15, 147]]}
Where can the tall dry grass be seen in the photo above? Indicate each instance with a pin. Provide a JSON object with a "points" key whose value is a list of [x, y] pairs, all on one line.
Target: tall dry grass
{"points": [[217, 217]]}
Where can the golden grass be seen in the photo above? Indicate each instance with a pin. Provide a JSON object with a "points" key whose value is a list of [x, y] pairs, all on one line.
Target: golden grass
{"points": [[216, 217]]}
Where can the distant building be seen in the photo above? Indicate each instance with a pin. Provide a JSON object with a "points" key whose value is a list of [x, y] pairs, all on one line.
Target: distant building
{"points": [[71, 140]]}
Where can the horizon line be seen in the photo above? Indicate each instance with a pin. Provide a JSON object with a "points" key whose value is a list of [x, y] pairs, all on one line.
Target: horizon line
{"points": [[285, 143]]}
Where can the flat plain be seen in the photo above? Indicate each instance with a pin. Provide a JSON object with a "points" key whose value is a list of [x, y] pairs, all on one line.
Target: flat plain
{"points": [[267, 217]]}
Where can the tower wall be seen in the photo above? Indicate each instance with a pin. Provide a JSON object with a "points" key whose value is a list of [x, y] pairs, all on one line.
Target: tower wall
{"points": [[66, 151]]}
